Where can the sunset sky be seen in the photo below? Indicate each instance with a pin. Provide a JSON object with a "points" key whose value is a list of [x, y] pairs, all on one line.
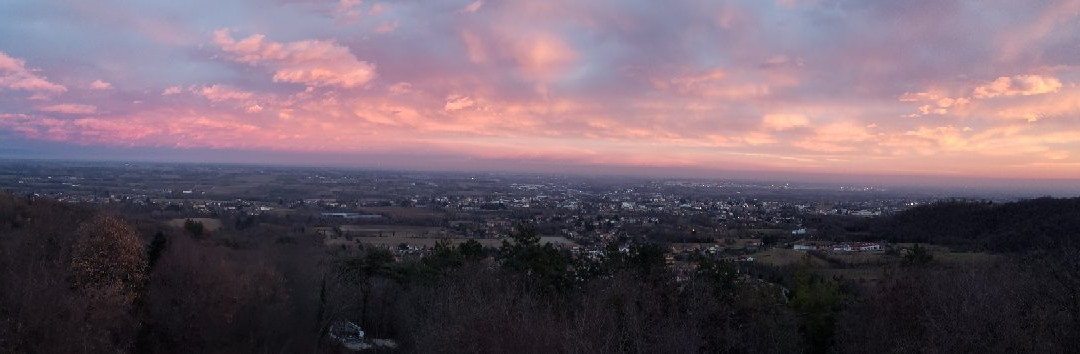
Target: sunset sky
{"points": [[978, 88]]}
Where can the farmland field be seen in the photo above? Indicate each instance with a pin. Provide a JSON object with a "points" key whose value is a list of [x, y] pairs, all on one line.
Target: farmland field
{"points": [[209, 224], [783, 256], [394, 241], [391, 231]]}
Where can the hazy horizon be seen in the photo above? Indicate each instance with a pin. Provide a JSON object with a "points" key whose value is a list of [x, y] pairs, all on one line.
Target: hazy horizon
{"points": [[466, 165]]}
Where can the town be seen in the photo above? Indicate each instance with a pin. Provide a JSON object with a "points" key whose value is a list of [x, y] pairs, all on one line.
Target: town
{"points": [[408, 213], [387, 261]]}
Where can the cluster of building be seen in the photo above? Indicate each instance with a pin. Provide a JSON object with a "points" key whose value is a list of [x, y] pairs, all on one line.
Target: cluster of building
{"points": [[839, 247], [584, 215]]}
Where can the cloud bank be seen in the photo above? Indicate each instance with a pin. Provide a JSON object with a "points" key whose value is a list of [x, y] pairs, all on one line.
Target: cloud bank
{"points": [[957, 87]]}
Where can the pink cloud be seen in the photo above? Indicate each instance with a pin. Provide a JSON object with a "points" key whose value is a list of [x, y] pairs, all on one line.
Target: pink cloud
{"points": [[542, 55], [347, 11], [920, 96], [692, 82], [682, 84], [1024, 40], [15, 75], [100, 85], [473, 7], [535, 55], [387, 26], [377, 9], [719, 84], [310, 62], [475, 47], [69, 108], [788, 3], [400, 88], [219, 93], [171, 90]]}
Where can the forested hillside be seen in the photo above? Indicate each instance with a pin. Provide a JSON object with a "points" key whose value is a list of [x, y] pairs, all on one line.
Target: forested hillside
{"points": [[76, 279], [1018, 226]]}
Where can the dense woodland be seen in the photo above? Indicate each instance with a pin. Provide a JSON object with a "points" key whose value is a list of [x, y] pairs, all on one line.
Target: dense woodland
{"points": [[1029, 225], [76, 279]]}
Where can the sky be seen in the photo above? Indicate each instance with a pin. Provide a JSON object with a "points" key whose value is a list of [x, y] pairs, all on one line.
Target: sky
{"points": [[963, 89]]}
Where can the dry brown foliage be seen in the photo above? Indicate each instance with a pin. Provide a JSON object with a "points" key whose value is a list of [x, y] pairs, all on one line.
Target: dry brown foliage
{"points": [[108, 260]]}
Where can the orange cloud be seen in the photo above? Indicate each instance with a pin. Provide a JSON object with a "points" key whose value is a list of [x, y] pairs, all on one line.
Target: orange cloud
{"points": [[458, 102], [939, 102], [784, 121], [1062, 104], [836, 137], [1020, 85], [1015, 141]]}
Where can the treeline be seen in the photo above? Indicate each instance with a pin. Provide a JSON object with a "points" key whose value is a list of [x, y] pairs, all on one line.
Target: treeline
{"points": [[79, 280], [1022, 226], [1018, 226], [75, 280]]}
